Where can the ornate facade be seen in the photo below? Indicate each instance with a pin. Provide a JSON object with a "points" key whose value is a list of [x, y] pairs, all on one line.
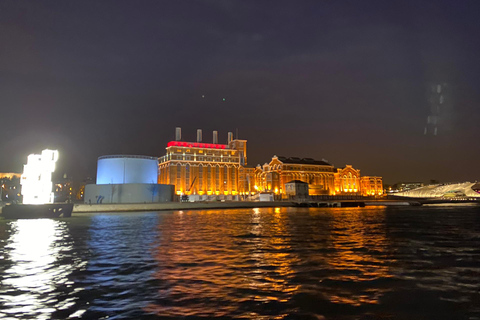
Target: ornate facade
{"points": [[274, 175], [204, 169], [371, 186], [212, 170], [321, 176], [347, 181]]}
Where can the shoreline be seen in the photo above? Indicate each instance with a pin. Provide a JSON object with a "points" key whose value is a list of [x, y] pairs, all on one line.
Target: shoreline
{"points": [[162, 206], [82, 208]]}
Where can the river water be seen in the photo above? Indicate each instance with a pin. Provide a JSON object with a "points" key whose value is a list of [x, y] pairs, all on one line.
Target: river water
{"points": [[269, 263]]}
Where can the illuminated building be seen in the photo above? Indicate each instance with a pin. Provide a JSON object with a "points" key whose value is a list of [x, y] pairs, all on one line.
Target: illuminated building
{"points": [[347, 180], [63, 189], [206, 170], [322, 178], [246, 181], [10, 175], [453, 190], [9, 186], [217, 171], [371, 186], [36, 179], [127, 179], [405, 186], [273, 176]]}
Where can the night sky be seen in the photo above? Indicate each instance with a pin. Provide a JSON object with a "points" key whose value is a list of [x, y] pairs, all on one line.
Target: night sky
{"points": [[346, 81]]}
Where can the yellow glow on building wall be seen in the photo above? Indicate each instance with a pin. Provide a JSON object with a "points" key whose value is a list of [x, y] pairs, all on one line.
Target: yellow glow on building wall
{"points": [[202, 168], [272, 177], [219, 170]]}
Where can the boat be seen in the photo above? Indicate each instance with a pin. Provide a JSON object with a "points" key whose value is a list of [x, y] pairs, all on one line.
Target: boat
{"points": [[37, 211]]}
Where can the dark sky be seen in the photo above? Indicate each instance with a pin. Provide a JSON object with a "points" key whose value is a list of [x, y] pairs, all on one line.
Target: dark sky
{"points": [[346, 81]]}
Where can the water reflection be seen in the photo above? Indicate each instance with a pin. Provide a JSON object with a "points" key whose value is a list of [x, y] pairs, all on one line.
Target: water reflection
{"points": [[359, 256], [35, 273], [279, 263], [218, 263], [120, 265]]}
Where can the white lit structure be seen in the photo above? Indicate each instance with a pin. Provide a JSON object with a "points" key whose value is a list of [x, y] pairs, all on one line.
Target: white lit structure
{"points": [[36, 179], [127, 179], [453, 190]]}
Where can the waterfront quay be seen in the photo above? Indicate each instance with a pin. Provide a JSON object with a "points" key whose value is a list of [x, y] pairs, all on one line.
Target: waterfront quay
{"points": [[125, 207]]}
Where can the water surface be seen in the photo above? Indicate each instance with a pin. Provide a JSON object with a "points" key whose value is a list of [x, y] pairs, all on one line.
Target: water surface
{"points": [[269, 263]]}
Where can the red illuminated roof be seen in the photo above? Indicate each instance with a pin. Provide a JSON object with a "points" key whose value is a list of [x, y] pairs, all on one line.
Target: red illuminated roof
{"points": [[196, 145]]}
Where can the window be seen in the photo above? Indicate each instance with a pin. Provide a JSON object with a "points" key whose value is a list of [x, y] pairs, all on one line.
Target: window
{"points": [[217, 178], [209, 178], [179, 177], [233, 179], [225, 178]]}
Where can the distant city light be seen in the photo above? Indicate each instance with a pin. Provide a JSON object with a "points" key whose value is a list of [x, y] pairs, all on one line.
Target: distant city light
{"points": [[36, 179]]}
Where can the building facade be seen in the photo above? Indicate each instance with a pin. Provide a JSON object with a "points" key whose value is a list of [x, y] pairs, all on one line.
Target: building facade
{"points": [[209, 170], [371, 186], [322, 178], [347, 181], [273, 176], [218, 171]]}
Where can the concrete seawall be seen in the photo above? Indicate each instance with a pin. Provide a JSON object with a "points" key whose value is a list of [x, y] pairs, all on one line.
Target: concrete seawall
{"points": [[161, 206], [176, 206]]}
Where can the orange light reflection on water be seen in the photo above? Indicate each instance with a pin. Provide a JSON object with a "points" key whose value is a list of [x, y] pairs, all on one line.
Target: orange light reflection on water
{"points": [[359, 246], [210, 270]]}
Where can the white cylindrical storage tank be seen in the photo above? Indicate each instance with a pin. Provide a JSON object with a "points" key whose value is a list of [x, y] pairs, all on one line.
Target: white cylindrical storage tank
{"points": [[122, 169]]}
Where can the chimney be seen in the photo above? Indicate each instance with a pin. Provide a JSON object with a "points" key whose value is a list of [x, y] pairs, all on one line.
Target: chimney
{"points": [[178, 134], [230, 137], [199, 135], [215, 137]]}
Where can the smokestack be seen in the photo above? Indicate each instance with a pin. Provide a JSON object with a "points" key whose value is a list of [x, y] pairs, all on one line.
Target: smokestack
{"points": [[178, 134], [230, 137], [215, 136], [199, 135]]}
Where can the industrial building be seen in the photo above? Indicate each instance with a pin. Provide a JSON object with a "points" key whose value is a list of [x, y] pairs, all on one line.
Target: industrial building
{"points": [[127, 179], [215, 171], [203, 170]]}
